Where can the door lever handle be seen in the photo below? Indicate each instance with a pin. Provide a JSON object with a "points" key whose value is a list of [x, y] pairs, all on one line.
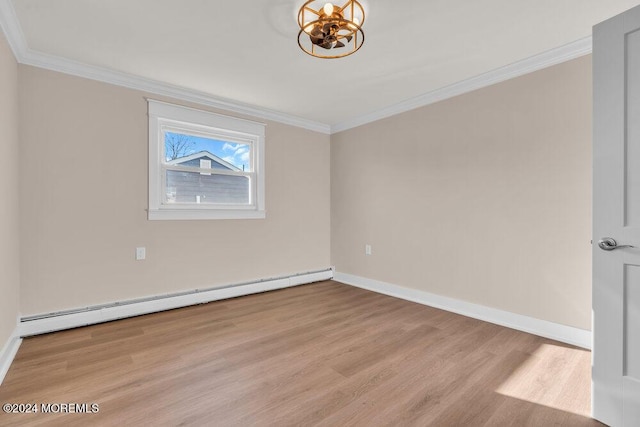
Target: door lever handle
{"points": [[609, 244]]}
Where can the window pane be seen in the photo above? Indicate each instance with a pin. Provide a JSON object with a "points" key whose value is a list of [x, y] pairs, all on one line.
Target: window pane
{"points": [[194, 187], [189, 150]]}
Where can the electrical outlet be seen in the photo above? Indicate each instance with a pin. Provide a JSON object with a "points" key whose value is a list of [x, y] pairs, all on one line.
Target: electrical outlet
{"points": [[141, 253], [367, 249]]}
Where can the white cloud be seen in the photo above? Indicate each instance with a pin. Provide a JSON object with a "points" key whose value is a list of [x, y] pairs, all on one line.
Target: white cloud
{"points": [[241, 150], [230, 147], [240, 155]]}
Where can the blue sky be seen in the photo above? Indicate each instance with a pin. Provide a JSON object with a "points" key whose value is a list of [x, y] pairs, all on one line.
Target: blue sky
{"points": [[234, 153]]}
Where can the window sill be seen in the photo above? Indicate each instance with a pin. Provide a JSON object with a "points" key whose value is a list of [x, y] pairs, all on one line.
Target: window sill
{"points": [[199, 214]]}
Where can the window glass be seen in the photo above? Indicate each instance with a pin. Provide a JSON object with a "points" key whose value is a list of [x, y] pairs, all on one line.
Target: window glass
{"points": [[224, 154], [204, 165]]}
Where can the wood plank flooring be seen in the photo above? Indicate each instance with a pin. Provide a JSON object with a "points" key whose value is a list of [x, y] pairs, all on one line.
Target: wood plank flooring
{"points": [[325, 354]]}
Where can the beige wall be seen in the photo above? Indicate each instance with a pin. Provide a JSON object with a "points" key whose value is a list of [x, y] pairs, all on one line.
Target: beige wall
{"points": [[484, 197], [84, 192], [9, 239]]}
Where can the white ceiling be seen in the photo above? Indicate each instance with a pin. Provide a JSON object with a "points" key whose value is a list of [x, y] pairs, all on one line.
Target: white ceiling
{"points": [[246, 51]]}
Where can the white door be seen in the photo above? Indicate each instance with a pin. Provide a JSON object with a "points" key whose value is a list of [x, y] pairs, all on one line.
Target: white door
{"points": [[616, 220]]}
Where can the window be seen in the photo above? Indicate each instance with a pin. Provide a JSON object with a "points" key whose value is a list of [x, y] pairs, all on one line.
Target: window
{"points": [[204, 165]]}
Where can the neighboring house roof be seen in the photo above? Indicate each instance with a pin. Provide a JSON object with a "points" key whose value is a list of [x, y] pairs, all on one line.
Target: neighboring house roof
{"points": [[201, 155]]}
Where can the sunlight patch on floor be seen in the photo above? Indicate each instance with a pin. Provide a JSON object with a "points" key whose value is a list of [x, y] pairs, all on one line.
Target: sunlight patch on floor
{"points": [[542, 379]]}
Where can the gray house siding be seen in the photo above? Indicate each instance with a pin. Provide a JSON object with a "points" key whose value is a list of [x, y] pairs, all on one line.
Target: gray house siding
{"points": [[196, 187], [211, 188]]}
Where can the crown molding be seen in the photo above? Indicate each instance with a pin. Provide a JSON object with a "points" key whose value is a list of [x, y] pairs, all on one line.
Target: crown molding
{"points": [[10, 25], [67, 66], [546, 59], [15, 37]]}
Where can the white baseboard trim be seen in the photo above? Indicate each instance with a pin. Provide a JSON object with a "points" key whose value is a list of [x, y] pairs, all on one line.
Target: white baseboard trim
{"points": [[35, 325], [543, 328], [8, 353]]}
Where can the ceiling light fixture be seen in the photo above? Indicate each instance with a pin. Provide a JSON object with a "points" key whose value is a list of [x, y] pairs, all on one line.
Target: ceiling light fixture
{"points": [[330, 31]]}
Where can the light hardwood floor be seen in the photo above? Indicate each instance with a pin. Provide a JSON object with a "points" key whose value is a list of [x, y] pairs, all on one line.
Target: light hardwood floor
{"points": [[323, 354]]}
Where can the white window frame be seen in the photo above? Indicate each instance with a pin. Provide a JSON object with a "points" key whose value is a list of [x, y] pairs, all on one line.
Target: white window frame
{"points": [[165, 117]]}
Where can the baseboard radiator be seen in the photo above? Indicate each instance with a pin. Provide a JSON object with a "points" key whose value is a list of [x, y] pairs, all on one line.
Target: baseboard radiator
{"points": [[56, 321]]}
